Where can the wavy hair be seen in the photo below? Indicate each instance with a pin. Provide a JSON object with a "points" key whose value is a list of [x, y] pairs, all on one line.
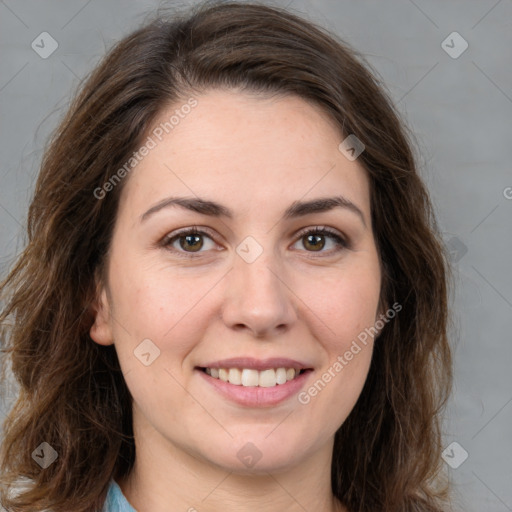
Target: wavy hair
{"points": [[72, 394]]}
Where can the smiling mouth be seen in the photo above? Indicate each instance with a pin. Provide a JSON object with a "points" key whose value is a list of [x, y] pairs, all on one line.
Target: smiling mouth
{"points": [[249, 377]]}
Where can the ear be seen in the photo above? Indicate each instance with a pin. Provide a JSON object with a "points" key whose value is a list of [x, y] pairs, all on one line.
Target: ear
{"points": [[101, 329]]}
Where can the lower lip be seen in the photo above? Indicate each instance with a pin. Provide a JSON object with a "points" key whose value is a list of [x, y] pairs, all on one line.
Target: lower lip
{"points": [[255, 396]]}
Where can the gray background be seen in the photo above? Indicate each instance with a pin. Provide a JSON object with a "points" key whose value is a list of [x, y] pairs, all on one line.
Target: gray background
{"points": [[460, 110]]}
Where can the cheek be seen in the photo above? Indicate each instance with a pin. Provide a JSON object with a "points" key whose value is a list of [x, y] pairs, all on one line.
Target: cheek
{"points": [[149, 307], [145, 300], [344, 316], [346, 307], [167, 309]]}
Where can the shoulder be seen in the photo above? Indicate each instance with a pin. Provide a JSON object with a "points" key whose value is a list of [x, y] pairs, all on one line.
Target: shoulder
{"points": [[116, 501]]}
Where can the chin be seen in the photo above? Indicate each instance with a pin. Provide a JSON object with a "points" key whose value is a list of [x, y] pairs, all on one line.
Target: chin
{"points": [[276, 463], [260, 453]]}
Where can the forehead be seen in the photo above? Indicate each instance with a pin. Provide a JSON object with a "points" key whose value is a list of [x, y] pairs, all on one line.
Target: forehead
{"points": [[247, 150]]}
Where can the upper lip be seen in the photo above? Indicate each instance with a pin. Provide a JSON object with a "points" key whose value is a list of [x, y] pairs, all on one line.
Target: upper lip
{"points": [[257, 364]]}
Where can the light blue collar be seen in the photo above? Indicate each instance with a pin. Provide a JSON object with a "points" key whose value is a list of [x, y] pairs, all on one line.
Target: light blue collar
{"points": [[116, 501]]}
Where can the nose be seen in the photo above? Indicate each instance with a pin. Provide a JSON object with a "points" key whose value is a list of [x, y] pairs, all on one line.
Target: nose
{"points": [[258, 299]]}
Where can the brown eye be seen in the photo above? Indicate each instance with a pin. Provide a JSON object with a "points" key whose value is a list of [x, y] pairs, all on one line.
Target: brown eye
{"points": [[188, 242], [194, 242], [315, 242]]}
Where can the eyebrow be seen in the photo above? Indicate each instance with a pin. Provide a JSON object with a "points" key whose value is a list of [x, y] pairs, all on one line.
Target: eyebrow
{"points": [[296, 209]]}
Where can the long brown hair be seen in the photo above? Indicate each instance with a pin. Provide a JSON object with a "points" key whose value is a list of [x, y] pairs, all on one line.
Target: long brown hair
{"points": [[72, 394]]}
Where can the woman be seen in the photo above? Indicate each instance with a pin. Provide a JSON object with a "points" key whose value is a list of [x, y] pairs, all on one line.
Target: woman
{"points": [[234, 294]]}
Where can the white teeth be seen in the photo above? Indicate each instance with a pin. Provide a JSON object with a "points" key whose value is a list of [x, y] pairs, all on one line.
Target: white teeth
{"points": [[267, 378], [251, 378], [281, 376], [235, 376]]}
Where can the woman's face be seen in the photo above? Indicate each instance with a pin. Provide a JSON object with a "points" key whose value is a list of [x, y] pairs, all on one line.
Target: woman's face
{"points": [[255, 296]]}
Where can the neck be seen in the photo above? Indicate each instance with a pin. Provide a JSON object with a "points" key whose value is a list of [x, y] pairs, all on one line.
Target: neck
{"points": [[164, 474]]}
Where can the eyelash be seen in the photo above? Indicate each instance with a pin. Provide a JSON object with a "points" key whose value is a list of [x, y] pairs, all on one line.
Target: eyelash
{"points": [[167, 241]]}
